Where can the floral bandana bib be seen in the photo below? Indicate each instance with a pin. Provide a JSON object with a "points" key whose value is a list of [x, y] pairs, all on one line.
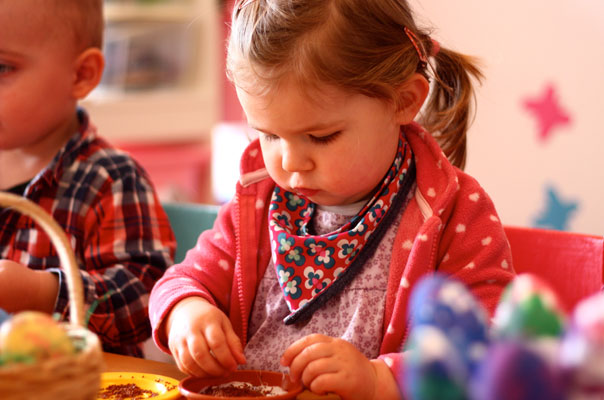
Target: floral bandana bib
{"points": [[313, 268]]}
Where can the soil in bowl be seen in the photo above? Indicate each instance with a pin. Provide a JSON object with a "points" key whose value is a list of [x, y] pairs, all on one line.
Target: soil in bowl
{"points": [[243, 384]]}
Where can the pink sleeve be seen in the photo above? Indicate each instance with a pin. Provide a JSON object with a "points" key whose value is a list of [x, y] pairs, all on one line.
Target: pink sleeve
{"points": [[474, 248], [206, 271]]}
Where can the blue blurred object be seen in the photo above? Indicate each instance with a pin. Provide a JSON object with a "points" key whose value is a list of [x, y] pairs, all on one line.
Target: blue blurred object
{"points": [[3, 316], [448, 305], [434, 369], [512, 370]]}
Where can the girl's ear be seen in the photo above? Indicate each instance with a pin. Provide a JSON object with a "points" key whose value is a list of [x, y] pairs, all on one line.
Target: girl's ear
{"points": [[411, 96], [88, 72]]}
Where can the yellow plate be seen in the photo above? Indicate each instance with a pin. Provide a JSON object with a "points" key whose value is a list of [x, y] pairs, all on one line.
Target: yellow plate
{"points": [[165, 387]]}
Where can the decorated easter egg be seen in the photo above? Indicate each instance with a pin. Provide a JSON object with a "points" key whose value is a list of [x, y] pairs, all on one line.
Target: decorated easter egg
{"points": [[3, 316], [529, 308], [33, 335], [433, 368], [582, 348], [512, 370], [447, 305]]}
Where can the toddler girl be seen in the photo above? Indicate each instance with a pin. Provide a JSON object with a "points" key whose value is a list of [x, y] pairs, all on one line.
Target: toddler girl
{"points": [[344, 201]]}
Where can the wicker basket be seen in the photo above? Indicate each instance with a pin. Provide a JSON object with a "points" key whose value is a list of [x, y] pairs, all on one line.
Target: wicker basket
{"points": [[74, 377]]}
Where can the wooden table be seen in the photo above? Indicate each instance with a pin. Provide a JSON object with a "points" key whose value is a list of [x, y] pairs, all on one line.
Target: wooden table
{"points": [[119, 363]]}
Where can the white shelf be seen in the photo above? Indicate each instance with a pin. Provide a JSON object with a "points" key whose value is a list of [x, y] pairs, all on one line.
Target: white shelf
{"points": [[179, 114], [117, 12], [167, 116]]}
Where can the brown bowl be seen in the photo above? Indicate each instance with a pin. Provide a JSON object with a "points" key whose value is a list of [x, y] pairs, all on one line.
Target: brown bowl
{"points": [[191, 387]]}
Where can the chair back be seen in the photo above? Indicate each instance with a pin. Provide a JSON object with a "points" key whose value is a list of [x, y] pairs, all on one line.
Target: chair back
{"points": [[188, 220], [571, 263]]}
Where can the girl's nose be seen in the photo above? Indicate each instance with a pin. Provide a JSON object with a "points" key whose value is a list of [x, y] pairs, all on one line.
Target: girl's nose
{"points": [[294, 159]]}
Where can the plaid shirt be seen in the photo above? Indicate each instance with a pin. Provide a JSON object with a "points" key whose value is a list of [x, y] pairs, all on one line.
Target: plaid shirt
{"points": [[120, 234]]}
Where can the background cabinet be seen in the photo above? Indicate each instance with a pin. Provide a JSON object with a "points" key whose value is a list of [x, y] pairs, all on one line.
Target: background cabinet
{"points": [[160, 95], [162, 79]]}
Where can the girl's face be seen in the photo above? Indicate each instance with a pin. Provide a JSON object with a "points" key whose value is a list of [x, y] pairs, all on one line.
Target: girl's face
{"points": [[334, 148]]}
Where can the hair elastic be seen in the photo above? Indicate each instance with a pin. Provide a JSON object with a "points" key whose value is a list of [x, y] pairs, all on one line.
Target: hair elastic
{"points": [[243, 3], [435, 47]]}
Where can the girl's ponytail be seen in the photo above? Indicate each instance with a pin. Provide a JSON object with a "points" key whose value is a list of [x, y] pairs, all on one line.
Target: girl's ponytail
{"points": [[448, 111]]}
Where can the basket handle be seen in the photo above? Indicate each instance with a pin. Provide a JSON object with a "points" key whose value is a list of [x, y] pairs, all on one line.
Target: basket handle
{"points": [[62, 245]]}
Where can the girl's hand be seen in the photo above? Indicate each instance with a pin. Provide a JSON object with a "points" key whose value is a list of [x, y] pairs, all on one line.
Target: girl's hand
{"points": [[202, 340], [326, 364]]}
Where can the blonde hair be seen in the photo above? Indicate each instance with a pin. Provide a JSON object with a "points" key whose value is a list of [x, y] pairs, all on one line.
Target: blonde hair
{"points": [[357, 45]]}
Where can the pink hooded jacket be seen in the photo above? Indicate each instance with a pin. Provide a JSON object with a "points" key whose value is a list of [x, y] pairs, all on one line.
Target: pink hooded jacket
{"points": [[450, 225]]}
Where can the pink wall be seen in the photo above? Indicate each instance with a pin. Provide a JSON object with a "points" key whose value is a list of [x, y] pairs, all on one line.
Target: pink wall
{"points": [[536, 144], [231, 108]]}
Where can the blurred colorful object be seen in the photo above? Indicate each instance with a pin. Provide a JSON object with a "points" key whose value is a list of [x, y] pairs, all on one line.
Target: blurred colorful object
{"points": [[434, 369], [33, 336], [3, 316], [582, 349], [528, 309], [512, 370], [448, 340], [530, 352], [448, 306]]}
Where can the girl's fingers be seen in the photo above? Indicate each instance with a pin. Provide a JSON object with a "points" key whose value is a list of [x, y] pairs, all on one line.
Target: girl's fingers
{"points": [[205, 360], [312, 361], [234, 344], [326, 383], [186, 363], [177, 355], [299, 345], [317, 370], [218, 345]]}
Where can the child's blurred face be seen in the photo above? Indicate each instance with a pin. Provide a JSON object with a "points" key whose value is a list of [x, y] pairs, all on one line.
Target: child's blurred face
{"points": [[36, 75], [334, 149]]}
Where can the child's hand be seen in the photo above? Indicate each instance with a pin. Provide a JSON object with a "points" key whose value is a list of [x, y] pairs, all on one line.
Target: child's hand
{"points": [[202, 340], [327, 364], [22, 288]]}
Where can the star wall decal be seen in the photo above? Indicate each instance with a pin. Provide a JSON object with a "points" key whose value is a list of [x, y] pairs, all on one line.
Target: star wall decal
{"points": [[557, 212], [547, 111]]}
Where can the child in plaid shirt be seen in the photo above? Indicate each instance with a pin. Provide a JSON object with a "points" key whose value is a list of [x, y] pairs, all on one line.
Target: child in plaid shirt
{"points": [[50, 153]]}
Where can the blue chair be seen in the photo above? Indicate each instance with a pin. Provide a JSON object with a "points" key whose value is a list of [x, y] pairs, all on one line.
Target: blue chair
{"points": [[188, 220]]}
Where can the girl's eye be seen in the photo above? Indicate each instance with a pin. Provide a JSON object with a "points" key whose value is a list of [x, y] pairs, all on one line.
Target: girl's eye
{"points": [[325, 139], [269, 137], [5, 68]]}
